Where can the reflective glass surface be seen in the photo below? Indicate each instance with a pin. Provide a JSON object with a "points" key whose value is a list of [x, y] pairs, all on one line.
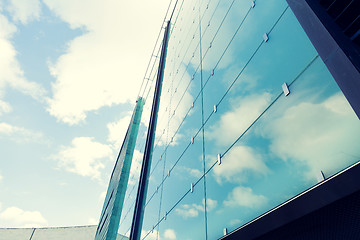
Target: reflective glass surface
{"points": [[222, 94]]}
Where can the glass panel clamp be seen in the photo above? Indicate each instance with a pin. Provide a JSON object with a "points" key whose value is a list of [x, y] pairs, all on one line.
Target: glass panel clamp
{"points": [[215, 108], [252, 4], [320, 176], [285, 89], [192, 188], [219, 159], [266, 37]]}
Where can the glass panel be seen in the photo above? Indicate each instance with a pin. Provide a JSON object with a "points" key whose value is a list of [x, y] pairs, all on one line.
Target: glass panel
{"points": [[313, 129], [186, 220]]}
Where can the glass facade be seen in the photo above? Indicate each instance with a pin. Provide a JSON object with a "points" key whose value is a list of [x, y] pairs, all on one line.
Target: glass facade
{"points": [[231, 142]]}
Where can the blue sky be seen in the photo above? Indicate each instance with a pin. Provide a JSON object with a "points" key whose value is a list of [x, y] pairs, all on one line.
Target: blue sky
{"points": [[70, 72]]}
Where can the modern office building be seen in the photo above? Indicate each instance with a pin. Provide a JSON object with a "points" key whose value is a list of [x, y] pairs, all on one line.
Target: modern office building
{"points": [[258, 132]]}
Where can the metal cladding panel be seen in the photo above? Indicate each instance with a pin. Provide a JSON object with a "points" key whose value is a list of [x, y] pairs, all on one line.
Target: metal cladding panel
{"points": [[15, 233], [111, 212], [339, 53]]}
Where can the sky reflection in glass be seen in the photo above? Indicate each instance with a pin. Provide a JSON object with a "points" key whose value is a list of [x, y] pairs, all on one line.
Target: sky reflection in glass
{"points": [[272, 146]]}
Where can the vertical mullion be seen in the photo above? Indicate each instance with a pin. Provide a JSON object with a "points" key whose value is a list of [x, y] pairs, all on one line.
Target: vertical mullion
{"points": [[137, 222]]}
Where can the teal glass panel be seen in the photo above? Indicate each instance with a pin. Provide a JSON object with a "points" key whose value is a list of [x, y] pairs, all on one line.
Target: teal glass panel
{"points": [[113, 205]]}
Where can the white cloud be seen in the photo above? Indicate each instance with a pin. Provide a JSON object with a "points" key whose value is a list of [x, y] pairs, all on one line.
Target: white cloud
{"points": [[210, 204], [169, 234], [1, 178], [11, 72], [244, 197], [4, 107], [192, 210], [323, 136], [7, 129], [185, 171], [187, 211], [84, 157], [62, 183], [24, 10], [117, 130], [7, 29], [235, 222], [239, 162], [106, 64], [92, 221], [195, 172], [246, 82], [19, 134], [16, 217], [102, 197], [233, 123], [135, 167]]}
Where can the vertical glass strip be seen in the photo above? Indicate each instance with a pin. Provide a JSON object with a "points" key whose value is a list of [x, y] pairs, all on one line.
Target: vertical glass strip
{"points": [[108, 226]]}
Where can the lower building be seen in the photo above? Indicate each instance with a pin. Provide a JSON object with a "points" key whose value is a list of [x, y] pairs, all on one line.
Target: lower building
{"points": [[52, 233]]}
